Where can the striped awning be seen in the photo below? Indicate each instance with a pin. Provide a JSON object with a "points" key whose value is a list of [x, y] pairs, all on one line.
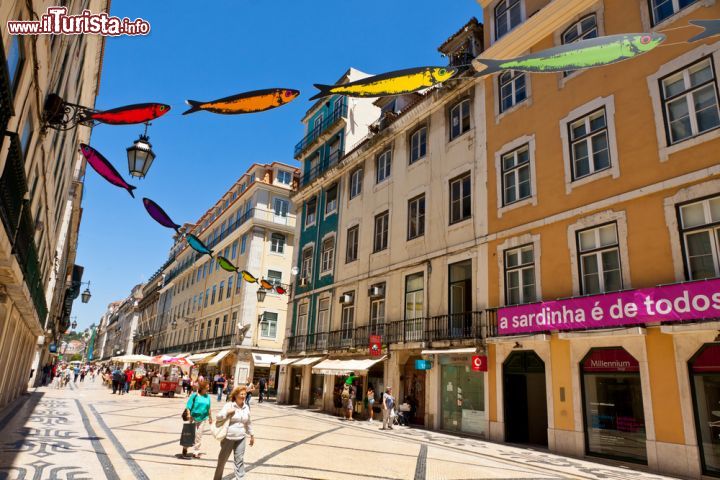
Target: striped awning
{"points": [[287, 361], [217, 358], [200, 357], [307, 361], [345, 367]]}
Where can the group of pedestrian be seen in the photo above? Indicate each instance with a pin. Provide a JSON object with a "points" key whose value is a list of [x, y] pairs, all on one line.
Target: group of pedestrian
{"points": [[122, 380], [59, 375]]}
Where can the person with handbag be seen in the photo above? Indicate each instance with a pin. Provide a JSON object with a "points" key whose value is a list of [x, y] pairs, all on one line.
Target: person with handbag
{"points": [[197, 413], [236, 427], [388, 409]]}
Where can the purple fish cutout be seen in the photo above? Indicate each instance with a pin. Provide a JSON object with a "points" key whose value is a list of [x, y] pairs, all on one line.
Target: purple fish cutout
{"points": [[104, 168], [159, 215]]}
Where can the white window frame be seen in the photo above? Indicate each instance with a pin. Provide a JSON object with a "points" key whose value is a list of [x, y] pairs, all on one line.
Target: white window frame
{"points": [[265, 325], [678, 63], [302, 318], [284, 174], [419, 217], [317, 122], [418, 134], [356, 181], [306, 265], [383, 166], [577, 26], [327, 255], [347, 320], [323, 321], [512, 78], [528, 140], [356, 229], [519, 269], [278, 249], [376, 322], [494, 36], [460, 178], [384, 236], [283, 211], [676, 10], [608, 103], [597, 253], [331, 208], [314, 215], [457, 110], [712, 228]]}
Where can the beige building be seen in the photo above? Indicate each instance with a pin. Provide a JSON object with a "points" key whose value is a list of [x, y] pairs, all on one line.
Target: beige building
{"points": [[41, 184], [214, 315]]}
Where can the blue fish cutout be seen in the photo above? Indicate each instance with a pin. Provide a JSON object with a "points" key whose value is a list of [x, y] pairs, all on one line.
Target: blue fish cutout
{"points": [[197, 244]]}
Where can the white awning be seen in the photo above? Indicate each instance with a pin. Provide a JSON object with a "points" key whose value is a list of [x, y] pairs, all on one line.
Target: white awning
{"points": [[196, 357], [217, 358], [181, 355], [307, 361], [131, 358], [265, 359], [449, 351], [287, 361], [344, 367]]}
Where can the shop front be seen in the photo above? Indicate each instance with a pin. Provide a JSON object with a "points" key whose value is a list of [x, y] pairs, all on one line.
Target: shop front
{"points": [[613, 405], [261, 366], [462, 395], [341, 369], [524, 394], [704, 370]]}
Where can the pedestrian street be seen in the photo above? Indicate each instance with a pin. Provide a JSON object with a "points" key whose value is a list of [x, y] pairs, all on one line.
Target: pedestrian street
{"points": [[86, 432]]}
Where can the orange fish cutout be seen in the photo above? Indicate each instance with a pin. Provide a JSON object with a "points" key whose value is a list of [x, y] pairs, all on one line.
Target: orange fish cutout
{"points": [[248, 102], [266, 285]]}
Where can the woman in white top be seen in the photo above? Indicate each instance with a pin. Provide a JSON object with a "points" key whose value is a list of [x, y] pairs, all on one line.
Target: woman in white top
{"points": [[238, 413]]}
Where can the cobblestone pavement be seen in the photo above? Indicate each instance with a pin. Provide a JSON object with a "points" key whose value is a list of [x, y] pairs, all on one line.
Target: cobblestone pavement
{"points": [[86, 433]]}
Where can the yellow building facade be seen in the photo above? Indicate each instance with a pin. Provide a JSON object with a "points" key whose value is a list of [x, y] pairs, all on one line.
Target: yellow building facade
{"points": [[602, 181]]}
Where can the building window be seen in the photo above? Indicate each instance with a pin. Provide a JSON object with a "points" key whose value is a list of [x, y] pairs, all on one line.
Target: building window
{"points": [[268, 325], [377, 312], [416, 217], [214, 292], [307, 259], [662, 9], [328, 255], [589, 145], [384, 164], [331, 200], [513, 89], [221, 291], [323, 323], [351, 250], [460, 208], [508, 15], [599, 260], [418, 145], [310, 210], [207, 298], [516, 175], [317, 123], [381, 231], [281, 207], [243, 243], [700, 229], [459, 119], [274, 277], [347, 320], [356, 178], [15, 61], [230, 285], [224, 324], [277, 243], [302, 320], [217, 325], [414, 306], [520, 275], [234, 250], [581, 30], [284, 177], [690, 102]]}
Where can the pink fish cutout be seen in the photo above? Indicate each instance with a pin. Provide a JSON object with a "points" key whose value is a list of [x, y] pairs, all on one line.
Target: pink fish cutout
{"points": [[104, 168]]}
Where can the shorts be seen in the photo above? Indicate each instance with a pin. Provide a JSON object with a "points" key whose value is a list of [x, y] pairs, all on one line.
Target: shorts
{"points": [[348, 404]]}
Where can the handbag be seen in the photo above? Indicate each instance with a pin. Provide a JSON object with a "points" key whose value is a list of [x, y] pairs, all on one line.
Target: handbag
{"points": [[187, 437], [220, 431], [186, 411]]}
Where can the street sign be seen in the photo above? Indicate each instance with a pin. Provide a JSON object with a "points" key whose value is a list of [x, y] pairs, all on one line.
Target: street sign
{"points": [[423, 364], [479, 363], [375, 345]]}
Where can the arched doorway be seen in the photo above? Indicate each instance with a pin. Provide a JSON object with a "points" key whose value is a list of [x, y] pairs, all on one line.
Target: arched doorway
{"points": [[524, 397]]}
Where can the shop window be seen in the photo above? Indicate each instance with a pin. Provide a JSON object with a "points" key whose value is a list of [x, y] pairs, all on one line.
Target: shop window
{"points": [[705, 382], [613, 405], [463, 396], [700, 230]]}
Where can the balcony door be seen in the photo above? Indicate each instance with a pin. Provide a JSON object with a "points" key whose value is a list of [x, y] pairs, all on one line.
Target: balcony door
{"points": [[414, 307], [460, 297], [323, 323]]}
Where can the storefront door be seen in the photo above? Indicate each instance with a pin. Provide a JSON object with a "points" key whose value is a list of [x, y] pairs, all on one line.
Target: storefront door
{"points": [[705, 381], [295, 385], [414, 392], [524, 398], [613, 405], [316, 390], [462, 393]]}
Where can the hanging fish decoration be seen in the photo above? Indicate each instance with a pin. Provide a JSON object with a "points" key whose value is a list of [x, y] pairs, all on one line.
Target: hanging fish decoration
{"points": [[226, 264], [594, 52], [265, 284], [130, 114], [710, 28], [159, 215], [390, 83], [247, 276], [197, 244], [280, 290], [104, 168], [248, 102]]}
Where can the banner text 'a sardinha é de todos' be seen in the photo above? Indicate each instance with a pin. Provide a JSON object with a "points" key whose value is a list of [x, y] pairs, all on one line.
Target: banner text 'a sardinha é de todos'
{"points": [[680, 302]]}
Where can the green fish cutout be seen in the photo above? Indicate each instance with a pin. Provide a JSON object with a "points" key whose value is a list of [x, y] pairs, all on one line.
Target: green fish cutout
{"points": [[594, 52], [226, 264]]}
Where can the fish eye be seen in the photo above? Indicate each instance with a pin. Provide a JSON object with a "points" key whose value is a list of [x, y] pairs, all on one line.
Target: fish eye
{"points": [[162, 108], [288, 93], [442, 71], [645, 39]]}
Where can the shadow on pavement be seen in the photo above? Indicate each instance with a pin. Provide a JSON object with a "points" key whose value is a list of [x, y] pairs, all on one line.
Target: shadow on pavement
{"points": [[22, 407]]}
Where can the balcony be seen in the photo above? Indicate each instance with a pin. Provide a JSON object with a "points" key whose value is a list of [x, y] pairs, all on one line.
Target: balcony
{"points": [[478, 325], [338, 113], [320, 168], [18, 223], [199, 345]]}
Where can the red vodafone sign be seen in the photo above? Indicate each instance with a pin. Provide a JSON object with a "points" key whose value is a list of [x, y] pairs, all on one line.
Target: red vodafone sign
{"points": [[479, 363]]}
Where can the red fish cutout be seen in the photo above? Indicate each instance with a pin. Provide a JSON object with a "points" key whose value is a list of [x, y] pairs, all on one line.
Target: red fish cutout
{"points": [[131, 114]]}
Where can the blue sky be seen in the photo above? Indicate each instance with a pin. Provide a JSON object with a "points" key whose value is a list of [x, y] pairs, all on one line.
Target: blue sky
{"points": [[212, 52]]}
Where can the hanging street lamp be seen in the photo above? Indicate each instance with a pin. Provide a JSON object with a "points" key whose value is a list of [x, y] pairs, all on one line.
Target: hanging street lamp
{"points": [[140, 155], [85, 296], [261, 294]]}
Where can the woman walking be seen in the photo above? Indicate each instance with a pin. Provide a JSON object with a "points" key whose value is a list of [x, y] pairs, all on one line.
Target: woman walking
{"points": [[200, 413], [237, 413]]}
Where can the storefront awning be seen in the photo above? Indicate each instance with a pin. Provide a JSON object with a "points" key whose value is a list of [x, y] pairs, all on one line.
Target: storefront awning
{"points": [[287, 361], [217, 358], [344, 367], [307, 361], [181, 355], [265, 359], [449, 351], [200, 357]]}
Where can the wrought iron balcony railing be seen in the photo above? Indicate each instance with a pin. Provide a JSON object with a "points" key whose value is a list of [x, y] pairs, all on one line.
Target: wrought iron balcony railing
{"points": [[340, 111], [320, 168]]}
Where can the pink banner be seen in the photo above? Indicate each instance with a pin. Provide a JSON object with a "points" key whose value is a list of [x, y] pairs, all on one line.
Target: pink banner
{"points": [[680, 302]]}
